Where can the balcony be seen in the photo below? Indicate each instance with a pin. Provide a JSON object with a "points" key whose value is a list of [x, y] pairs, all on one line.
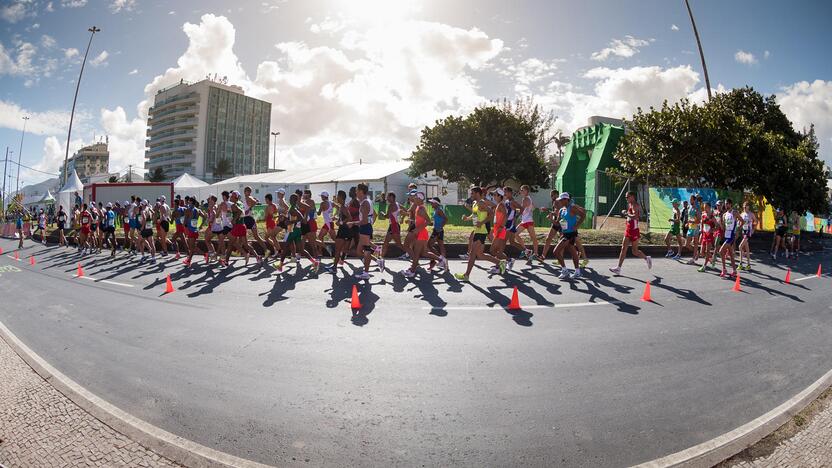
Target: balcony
{"points": [[185, 135], [181, 98], [170, 148], [172, 114], [156, 128]]}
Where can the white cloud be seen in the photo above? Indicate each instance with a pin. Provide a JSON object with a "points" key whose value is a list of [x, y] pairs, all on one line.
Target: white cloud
{"points": [[625, 48], [100, 59], [766, 54], [71, 52], [528, 73], [49, 7], [806, 103], [73, 3], [673, 27], [746, 58], [122, 5], [15, 11], [133, 71], [172, 12], [18, 61], [126, 137], [47, 41], [40, 123]]}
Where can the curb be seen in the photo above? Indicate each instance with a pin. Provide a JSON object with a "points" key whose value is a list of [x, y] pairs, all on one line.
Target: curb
{"points": [[173, 447], [731, 443]]}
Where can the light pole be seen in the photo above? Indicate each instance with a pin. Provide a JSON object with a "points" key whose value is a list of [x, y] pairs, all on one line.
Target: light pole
{"points": [[92, 30], [701, 53], [20, 152], [3, 193], [274, 149]]}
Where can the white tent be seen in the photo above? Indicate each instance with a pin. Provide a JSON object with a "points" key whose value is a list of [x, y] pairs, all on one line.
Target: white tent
{"points": [[187, 184], [67, 194], [48, 198]]}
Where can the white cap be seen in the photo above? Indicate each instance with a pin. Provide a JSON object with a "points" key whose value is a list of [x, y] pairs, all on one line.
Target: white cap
{"points": [[143, 203], [163, 198], [420, 196], [564, 196], [109, 205], [281, 191], [325, 194], [500, 192], [126, 202]]}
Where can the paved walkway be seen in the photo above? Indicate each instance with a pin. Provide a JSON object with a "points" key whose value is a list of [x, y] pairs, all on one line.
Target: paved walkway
{"points": [[40, 427], [811, 447]]}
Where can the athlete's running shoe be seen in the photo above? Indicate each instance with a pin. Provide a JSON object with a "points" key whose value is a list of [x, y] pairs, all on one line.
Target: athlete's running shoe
{"points": [[463, 256], [443, 263], [404, 257], [723, 274], [502, 266], [362, 276], [461, 276], [493, 270], [380, 264], [702, 268], [690, 262], [408, 273], [649, 261], [668, 254], [564, 273], [315, 266], [616, 270], [577, 274], [152, 260], [677, 257], [584, 262], [279, 266], [510, 264]]}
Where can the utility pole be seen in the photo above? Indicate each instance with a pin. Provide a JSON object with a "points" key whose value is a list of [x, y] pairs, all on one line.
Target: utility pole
{"points": [[92, 30], [701, 53], [20, 153], [5, 165], [274, 149], [129, 173]]}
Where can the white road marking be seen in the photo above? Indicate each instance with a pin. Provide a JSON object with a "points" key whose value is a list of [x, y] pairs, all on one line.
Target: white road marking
{"points": [[105, 281], [529, 307], [807, 278]]}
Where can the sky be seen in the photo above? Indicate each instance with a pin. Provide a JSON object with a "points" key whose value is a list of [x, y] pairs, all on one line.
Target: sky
{"points": [[359, 79]]}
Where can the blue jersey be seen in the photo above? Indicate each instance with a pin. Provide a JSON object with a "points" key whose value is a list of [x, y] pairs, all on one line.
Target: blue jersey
{"points": [[111, 218], [568, 221], [180, 215], [438, 222]]}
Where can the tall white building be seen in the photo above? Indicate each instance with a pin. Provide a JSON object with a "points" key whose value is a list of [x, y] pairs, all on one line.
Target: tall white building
{"points": [[90, 162], [192, 127]]}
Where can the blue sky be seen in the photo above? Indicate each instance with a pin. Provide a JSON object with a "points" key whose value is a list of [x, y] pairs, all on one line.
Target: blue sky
{"points": [[360, 78]]}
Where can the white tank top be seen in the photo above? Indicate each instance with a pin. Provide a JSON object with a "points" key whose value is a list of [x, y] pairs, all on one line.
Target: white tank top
{"points": [[226, 220], [528, 212], [327, 213], [370, 214]]}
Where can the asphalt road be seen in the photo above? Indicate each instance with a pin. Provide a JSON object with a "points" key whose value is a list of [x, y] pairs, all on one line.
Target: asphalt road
{"points": [[431, 372]]}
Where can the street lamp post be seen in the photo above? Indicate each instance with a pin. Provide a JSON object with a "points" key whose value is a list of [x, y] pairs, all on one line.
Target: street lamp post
{"points": [[20, 152], [274, 149], [701, 53], [3, 193], [92, 30]]}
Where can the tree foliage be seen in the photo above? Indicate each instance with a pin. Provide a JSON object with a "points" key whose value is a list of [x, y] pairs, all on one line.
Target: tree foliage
{"points": [[221, 169], [739, 140], [158, 175], [490, 145]]}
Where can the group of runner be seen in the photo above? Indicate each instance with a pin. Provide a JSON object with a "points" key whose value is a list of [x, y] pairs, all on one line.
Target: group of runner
{"points": [[496, 215]]}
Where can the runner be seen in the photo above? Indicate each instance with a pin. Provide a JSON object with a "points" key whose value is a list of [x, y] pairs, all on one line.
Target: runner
{"points": [[125, 223], [749, 220], [179, 223], [164, 224], [527, 222], [135, 224], [719, 230], [213, 227], [271, 225], [569, 217], [411, 227], [631, 234], [192, 215], [86, 229], [248, 219], [224, 210], [511, 225], [239, 231], [794, 222], [353, 207], [365, 231], [76, 225], [554, 231], [41, 227], [394, 230], [325, 210], [419, 246], [62, 219], [293, 243], [499, 231], [310, 232], [437, 237], [708, 227], [146, 222], [18, 224], [729, 221], [675, 231], [782, 227], [694, 220], [110, 228], [479, 215], [343, 237]]}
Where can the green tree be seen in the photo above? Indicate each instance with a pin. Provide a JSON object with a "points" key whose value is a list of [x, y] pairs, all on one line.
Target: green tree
{"points": [[739, 140], [490, 145], [221, 169], [158, 175], [113, 179]]}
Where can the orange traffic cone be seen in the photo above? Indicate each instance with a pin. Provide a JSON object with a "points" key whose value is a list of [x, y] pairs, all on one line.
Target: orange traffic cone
{"points": [[515, 301], [32, 260], [355, 303], [646, 296], [788, 276], [169, 286], [819, 270], [80, 271], [736, 287], [17, 256]]}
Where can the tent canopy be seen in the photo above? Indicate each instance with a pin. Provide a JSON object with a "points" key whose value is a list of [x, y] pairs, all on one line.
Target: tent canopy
{"points": [[186, 181], [347, 173], [73, 184], [48, 197]]}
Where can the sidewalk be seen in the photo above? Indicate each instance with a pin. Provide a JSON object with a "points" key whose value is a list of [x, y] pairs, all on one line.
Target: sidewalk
{"points": [[810, 447], [41, 427]]}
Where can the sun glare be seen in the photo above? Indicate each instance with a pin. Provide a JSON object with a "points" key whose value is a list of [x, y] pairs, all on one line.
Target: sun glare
{"points": [[378, 11]]}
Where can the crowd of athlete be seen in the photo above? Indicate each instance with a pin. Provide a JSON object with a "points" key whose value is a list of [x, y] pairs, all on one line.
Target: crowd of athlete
{"points": [[496, 214]]}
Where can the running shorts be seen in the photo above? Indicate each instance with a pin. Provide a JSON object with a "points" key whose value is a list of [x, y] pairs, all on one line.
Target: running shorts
{"points": [[192, 234], [110, 229], [221, 231], [270, 224], [293, 236], [180, 228], [313, 226], [239, 230], [304, 229], [499, 232], [394, 228], [328, 227], [134, 224], [569, 236], [356, 231], [556, 227], [480, 237], [411, 227], [693, 232], [344, 232], [632, 234], [674, 230], [438, 234], [366, 230], [422, 235], [249, 222], [165, 225], [729, 240], [147, 233], [527, 224], [707, 238], [60, 225], [781, 231], [487, 227], [226, 230], [85, 230]]}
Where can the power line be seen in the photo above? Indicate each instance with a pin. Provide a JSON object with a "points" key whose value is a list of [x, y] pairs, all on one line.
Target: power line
{"points": [[27, 167]]}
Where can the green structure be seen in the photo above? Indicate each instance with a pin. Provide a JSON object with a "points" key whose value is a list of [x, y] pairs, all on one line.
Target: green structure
{"points": [[587, 156]]}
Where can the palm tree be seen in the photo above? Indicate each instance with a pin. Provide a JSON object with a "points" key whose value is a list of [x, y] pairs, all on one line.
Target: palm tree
{"points": [[222, 168], [701, 53], [158, 175], [113, 179]]}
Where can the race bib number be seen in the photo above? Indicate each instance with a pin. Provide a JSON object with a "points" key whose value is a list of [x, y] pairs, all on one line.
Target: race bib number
{"points": [[564, 224], [194, 222], [706, 227], [85, 220]]}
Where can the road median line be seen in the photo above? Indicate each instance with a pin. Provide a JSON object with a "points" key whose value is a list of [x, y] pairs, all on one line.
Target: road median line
{"points": [[529, 307], [169, 445]]}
